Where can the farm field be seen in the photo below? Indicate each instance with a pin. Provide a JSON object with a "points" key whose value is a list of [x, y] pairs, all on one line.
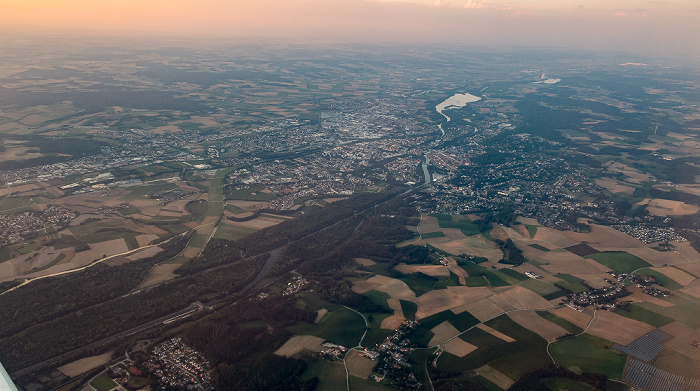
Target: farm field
{"points": [[616, 328], [83, 365], [620, 262], [298, 343], [590, 355], [339, 325], [643, 315], [537, 324], [458, 347], [359, 366]]}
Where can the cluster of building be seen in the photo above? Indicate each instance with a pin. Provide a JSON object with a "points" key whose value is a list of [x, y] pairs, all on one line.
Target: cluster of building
{"points": [[333, 352], [177, 366], [15, 228], [393, 367], [605, 298], [297, 283], [650, 234], [649, 285]]}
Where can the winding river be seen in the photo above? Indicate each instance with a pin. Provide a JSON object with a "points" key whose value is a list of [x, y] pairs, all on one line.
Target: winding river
{"points": [[454, 102]]}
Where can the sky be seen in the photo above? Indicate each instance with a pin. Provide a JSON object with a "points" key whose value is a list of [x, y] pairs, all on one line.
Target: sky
{"points": [[657, 27]]}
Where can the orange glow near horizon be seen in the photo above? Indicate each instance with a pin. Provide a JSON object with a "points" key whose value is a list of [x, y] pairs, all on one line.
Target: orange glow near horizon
{"points": [[669, 26]]}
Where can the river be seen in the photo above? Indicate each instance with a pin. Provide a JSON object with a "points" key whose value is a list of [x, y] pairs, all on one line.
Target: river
{"points": [[454, 102], [426, 173]]}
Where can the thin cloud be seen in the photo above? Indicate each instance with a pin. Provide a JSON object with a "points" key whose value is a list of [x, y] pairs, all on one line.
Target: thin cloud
{"points": [[476, 4]]}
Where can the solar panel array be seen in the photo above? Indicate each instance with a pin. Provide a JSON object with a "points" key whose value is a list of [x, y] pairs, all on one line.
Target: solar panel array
{"points": [[645, 348], [650, 378]]}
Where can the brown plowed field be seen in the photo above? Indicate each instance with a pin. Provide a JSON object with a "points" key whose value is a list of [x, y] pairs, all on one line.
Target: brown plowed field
{"points": [[320, 314], [538, 325], [617, 328], [444, 299], [580, 319], [596, 280], [554, 237], [394, 321], [158, 274], [397, 289], [483, 309], [676, 275], [683, 338], [523, 298], [602, 235], [495, 333], [660, 207], [454, 268], [85, 364], [678, 364], [638, 296], [431, 270], [149, 252], [443, 332], [365, 261], [144, 240], [568, 263], [298, 343], [458, 347], [495, 377], [359, 366]]}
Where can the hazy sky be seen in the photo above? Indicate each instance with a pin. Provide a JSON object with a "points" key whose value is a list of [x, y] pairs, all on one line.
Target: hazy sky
{"points": [[668, 27]]}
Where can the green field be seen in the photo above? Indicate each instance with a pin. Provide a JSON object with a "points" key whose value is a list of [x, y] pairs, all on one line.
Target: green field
{"points": [[150, 189], [513, 359], [419, 285], [232, 232], [620, 262], [340, 325], [537, 246], [235, 210], [476, 281], [103, 383], [565, 324], [409, 309], [463, 223], [587, 353], [379, 298], [571, 283], [532, 230], [431, 235], [252, 193], [644, 315], [661, 278], [540, 287], [494, 278], [198, 240], [357, 384], [331, 375], [510, 276], [564, 384], [684, 310], [197, 209]]}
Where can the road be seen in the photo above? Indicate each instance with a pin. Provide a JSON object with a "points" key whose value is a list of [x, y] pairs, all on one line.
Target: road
{"points": [[94, 263], [165, 320], [359, 345]]}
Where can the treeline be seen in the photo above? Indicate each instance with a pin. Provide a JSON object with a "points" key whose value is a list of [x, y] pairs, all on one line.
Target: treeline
{"points": [[512, 255], [533, 381], [94, 323], [217, 252], [315, 219], [242, 355], [674, 195], [62, 295]]}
